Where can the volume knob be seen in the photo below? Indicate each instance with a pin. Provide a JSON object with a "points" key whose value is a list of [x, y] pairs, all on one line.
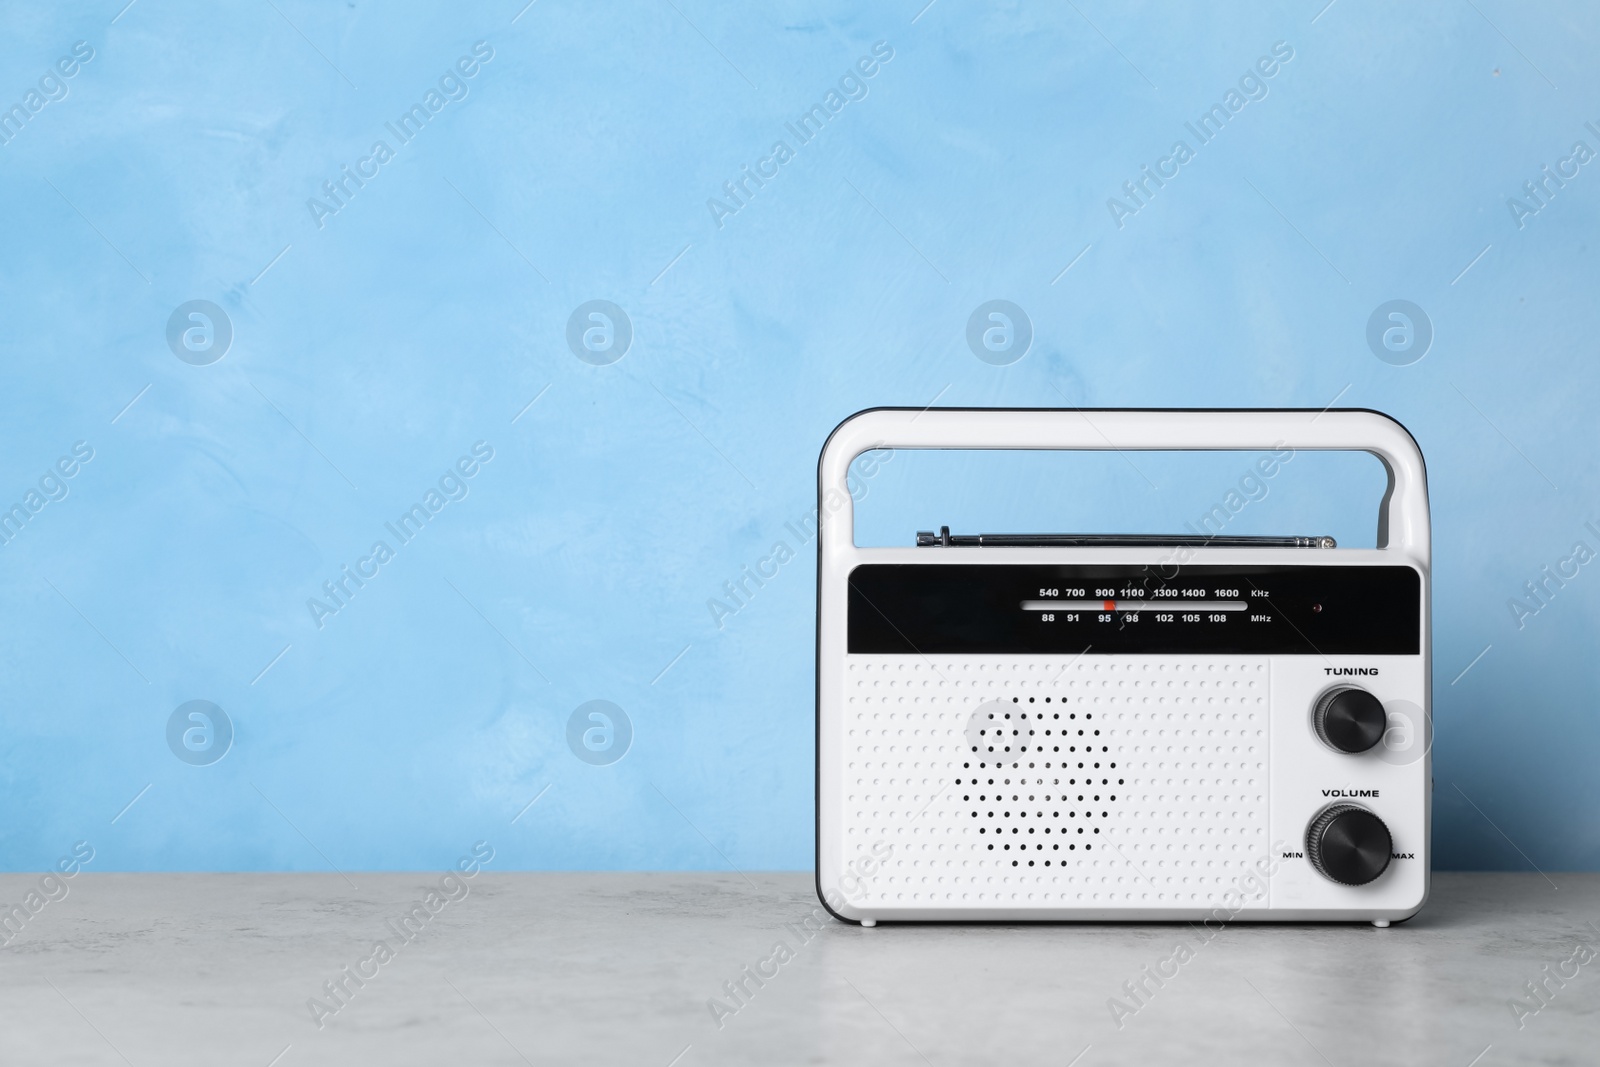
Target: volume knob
{"points": [[1349, 719], [1349, 844]]}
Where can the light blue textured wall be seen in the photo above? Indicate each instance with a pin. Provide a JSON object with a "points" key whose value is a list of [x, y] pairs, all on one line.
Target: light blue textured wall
{"points": [[375, 345]]}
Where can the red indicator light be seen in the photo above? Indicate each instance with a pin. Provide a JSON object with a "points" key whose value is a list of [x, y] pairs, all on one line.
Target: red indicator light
{"points": [[1111, 605]]}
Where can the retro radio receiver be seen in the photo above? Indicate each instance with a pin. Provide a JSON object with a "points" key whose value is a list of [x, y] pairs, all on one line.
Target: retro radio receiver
{"points": [[1080, 726]]}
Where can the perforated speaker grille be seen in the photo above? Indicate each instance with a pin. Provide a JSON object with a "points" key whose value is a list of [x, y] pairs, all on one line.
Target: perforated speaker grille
{"points": [[1118, 782]]}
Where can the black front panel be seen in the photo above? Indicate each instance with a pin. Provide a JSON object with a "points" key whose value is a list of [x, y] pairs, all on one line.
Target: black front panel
{"points": [[969, 608]]}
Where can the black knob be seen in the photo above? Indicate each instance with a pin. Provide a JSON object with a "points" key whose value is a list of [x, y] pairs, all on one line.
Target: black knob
{"points": [[1349, 844], [1350, 719]]}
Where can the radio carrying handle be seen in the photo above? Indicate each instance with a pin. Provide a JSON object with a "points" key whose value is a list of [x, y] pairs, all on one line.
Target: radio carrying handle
{"points": [[1403, 524]]}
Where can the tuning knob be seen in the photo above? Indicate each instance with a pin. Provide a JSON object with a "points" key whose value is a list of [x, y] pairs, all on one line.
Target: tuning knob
{"points": [[1349, 844], [1349, 719]]}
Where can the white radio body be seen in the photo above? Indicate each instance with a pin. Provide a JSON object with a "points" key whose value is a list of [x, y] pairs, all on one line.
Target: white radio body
{"points": [[1053, 727]]}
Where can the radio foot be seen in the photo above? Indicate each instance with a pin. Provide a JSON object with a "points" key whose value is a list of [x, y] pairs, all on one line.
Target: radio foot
{"points": [[874, 922], [1382, 924]]}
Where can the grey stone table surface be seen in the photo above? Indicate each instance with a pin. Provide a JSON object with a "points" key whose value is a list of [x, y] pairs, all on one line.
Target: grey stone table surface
{"points": [[651, 969]]}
